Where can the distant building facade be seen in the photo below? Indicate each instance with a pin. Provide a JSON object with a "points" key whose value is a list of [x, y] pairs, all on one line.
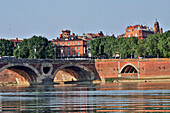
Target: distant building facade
{"points": [[70, 45], [141, 31], [137, 31], [88, 37]]}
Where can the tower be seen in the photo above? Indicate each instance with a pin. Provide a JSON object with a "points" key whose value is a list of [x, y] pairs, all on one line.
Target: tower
{"points": [[156, 27], [161, 30]]}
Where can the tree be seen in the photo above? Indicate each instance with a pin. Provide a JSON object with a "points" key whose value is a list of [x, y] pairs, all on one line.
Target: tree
{"points": [[109, 47], [124, 47], [168, 46], [133, 45], [152, 45], [163, 45], [6, 47], [37, 46], [97, 47], [141, 48]]}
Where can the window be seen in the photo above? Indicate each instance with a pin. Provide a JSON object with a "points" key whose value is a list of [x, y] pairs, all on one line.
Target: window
{"points": [[68, 48], [78, 48], [128, 35], [62, 49], [84, 50], [62, 44], [78, 43], [128, 30], [78, 53], [136, 34], [68, 54], [73, 54], [68, 44], [63, 54], [73, 48], [136, 28], [73, 43]]}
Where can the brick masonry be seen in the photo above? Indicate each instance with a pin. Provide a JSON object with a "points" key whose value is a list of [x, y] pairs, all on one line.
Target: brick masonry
{"points": [[108, 68]]}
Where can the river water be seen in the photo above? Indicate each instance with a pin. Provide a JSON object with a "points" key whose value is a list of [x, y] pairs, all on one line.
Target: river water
{"points": [[109, 97]]}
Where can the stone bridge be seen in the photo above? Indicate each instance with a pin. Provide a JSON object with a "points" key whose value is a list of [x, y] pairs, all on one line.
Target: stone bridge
{"points": [[31, 71]]}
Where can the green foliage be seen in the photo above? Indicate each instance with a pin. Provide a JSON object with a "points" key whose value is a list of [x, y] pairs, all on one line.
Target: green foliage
{"points": [[141, 48], [6, 47], [97, 47], [103, 47], [109, 79], [157, 45], [44, 48], [109, 46], [163, 45], [152, 45]]}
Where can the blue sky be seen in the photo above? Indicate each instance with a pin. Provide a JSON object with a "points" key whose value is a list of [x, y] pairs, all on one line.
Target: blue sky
{"points": [[25, 18]]}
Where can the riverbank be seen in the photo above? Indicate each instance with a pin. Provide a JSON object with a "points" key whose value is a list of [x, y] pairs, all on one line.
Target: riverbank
{"points": [[123, 79], [107, 80], [8, 84]]}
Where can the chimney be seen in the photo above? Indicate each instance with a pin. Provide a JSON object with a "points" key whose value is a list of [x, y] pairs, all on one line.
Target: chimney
{"points": [[161, 30], [60, 36]]}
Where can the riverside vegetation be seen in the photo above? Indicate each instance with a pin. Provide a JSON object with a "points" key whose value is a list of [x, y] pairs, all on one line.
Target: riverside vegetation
{"points": [[157, 45], [44, 48]]}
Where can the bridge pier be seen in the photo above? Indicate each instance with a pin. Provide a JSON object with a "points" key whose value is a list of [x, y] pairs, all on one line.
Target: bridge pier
{"points": [[44, 79]]}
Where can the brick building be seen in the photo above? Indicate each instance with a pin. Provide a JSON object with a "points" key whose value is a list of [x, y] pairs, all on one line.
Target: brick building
{"points": [[92, 35], [15, 41], [70, 45], [156, 28], [141, 31], [88, 37], [138, 31]]}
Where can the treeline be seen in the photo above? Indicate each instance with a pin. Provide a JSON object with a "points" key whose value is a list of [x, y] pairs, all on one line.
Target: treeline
{"points": [[35, 47], [157, 45]]}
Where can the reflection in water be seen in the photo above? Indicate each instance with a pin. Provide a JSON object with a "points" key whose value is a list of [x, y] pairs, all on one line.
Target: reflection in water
{"points": [[114, 97]]}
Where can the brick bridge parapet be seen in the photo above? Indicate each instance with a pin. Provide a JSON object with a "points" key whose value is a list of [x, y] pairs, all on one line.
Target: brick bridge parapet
{"points": [[140, 68]]}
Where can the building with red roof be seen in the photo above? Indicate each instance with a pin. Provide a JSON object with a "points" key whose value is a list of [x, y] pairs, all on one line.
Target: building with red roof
{"points": [[88, 37], [15, 41], [141, 31], [70, 45]]}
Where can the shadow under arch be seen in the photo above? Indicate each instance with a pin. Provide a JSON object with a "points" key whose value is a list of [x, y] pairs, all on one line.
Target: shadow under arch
{"points": [[28, 72], [79, 72], [129, 70]]}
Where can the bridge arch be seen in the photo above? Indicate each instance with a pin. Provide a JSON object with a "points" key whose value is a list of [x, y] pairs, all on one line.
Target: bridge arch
{"points": [[25, 74], [129, 69], [79, 72]]}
